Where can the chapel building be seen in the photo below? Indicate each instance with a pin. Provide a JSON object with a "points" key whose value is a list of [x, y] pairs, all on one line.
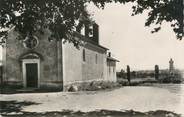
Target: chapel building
{"points": [[42, 64]]}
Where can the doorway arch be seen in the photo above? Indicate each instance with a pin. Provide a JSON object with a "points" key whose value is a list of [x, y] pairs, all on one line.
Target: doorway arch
{"points": [[31, 70]]}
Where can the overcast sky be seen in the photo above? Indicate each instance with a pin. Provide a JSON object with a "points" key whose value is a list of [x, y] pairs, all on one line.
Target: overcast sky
{"points": [[132, 43]]}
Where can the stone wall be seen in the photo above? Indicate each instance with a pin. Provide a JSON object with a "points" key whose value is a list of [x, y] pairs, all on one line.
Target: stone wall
{"points": [[48, 63], [93, 67], [72, 67], [75, 70]]}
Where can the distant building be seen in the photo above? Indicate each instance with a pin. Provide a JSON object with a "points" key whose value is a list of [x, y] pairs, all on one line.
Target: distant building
{"points": [[38, 63]]}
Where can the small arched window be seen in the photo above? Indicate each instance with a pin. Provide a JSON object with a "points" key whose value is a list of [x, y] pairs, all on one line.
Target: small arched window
{"points": [[84, 55]]}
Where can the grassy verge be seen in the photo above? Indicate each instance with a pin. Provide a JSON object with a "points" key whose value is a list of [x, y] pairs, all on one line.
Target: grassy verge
{"points": [[137, 82], [146, 81]]}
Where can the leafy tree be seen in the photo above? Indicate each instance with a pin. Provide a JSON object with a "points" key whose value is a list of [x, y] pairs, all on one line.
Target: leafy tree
{"points": [[31, 16], [128, 73], [156, 72], [158, 12], [63, 16]]}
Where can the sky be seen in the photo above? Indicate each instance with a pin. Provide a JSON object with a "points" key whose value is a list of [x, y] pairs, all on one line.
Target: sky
{"points": [[132, 43]]}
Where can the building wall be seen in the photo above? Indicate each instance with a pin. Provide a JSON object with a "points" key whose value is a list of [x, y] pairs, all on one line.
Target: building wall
{"points": [[72, 67], [76, 70], [111, 71], [11, 64], [93, 66], [48, 63]]}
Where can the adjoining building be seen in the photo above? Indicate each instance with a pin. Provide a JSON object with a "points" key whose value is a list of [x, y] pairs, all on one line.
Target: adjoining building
{"points": [[38, 63]]}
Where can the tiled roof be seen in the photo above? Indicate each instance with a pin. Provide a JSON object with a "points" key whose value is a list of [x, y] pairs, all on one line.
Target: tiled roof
{"points": [[112, 59], [87, 39]]}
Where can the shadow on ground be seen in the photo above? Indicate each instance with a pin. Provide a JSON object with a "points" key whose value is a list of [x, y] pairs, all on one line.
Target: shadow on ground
{"points": [[100, 113], [13, 107], [20, 89]]}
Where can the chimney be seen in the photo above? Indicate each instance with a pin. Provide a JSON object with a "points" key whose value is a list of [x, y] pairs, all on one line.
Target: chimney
{"points": [[96, 33]]}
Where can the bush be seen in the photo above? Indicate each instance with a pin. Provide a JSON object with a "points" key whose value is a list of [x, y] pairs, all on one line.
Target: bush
{"points": [[98, 85]]}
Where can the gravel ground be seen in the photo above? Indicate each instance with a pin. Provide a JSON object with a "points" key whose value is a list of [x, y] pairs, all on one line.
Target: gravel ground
{"points": [[141, 98]]}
